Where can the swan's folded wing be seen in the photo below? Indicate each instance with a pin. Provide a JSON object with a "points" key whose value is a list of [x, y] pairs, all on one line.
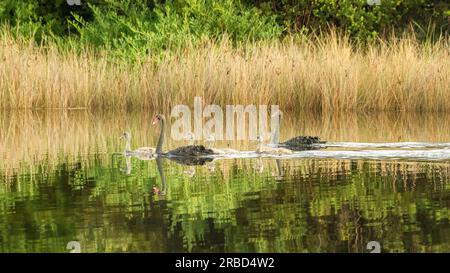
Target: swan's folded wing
{"points": [[302, 140], [191, 150]]}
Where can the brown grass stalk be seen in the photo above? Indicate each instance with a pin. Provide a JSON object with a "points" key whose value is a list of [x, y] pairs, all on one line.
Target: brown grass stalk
{"points": [[326, 73]]}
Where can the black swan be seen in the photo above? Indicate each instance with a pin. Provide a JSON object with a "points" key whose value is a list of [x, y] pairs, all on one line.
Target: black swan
{"points": [[183, 151], [295, 143]]}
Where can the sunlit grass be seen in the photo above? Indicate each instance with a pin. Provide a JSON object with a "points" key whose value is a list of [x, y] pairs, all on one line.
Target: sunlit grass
{"points": [[326, 73]]}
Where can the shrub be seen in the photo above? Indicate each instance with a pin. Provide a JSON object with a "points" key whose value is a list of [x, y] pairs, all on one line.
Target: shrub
{"points": [[357, 17], [143, 26]]}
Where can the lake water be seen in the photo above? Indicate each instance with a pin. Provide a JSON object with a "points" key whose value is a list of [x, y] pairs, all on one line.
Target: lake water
{"points": [[381, 177]]}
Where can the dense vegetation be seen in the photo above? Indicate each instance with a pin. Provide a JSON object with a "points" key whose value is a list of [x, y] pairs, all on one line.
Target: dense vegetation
{"points": [[145, 26], [322, 55]]}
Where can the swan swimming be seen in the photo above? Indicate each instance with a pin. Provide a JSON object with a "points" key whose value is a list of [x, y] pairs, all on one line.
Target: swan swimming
{"points": [[295, 143], [143, 153], [183, 151]]}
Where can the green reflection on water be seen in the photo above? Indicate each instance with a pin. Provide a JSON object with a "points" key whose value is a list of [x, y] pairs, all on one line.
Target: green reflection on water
{"points": [[240, 205]]}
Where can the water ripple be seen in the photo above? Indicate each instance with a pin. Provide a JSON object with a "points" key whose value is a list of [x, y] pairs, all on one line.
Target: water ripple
{"points": [[402, 145]]}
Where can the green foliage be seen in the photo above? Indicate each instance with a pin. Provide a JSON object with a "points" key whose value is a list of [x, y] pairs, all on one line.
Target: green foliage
{"points": [[318, 206], [151, 26], [39, 18], [356, 16], [133, 27], [140, 27]]}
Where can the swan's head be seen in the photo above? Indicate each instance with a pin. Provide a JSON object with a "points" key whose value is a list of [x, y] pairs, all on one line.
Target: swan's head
{"points": [[157, 118], [126, 135]]}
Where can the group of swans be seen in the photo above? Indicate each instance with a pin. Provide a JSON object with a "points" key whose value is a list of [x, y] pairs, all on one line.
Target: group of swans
{"points": [[195, 150]]}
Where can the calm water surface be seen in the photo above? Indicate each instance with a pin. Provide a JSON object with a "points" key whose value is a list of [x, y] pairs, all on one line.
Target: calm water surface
{"points": [[383, 178]]}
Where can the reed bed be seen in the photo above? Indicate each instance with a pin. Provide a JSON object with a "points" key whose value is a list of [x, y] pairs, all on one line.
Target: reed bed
{"points": [[326, 73]]}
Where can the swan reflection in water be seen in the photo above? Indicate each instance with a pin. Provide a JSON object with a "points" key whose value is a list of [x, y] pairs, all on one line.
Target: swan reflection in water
{"points": [[156, 189], [277, 175], [161, 191], [192, 163], [127, 164]]}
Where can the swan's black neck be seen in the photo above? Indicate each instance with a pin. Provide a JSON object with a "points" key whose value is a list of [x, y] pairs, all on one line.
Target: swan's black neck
{"points": [[161, 136], [161, 174]]}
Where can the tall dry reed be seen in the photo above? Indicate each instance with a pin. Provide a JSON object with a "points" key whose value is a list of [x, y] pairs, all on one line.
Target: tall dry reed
{"points": [[325, 74]]}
